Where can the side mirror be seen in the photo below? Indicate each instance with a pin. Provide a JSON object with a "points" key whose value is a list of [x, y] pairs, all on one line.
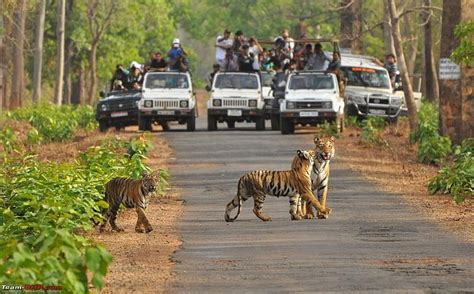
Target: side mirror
{"points": [[102, 94], [208, 88]]}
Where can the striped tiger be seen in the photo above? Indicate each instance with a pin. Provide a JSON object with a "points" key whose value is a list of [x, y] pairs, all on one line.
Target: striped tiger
{"points": [[133, 194], [294, 183], [324, 152]]}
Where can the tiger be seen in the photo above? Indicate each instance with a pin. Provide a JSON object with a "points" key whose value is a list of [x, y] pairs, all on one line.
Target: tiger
{"points": [[294, 183], [133, 194], [324, 150]]}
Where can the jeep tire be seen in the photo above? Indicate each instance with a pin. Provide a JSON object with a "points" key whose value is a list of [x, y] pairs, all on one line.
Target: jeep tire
{"points": [[103, 126], [211, 123], [260, 123], [286, 126], [275, 121], [191, 123], [144, 124]]}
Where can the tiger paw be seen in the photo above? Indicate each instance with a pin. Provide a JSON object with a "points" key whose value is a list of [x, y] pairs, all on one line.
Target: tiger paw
{"points": [[148, 229], [309, 216], [117, 229], [296, 217], [139, 230]]}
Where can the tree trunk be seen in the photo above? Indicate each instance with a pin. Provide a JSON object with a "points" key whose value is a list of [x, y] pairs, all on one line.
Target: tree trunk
{"points": [[430, 76], [2, 65], [407, 87], [38, 56], [351, 25], [68, 58], [92, 73], [58, 87], [455, 95], [18, 58], [77, 87], [387, 31]]}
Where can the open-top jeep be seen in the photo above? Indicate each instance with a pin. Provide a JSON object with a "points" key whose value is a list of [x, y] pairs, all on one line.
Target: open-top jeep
{"points": [[311, 98], [167, 96], [118, 109], [235, 97]]}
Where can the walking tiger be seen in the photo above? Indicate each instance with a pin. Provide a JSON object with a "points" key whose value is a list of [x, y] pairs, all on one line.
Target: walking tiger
{"points": [[294, 183], [133, 194]]}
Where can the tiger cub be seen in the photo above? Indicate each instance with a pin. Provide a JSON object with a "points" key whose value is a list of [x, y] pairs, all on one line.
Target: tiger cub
{"points": [[324, 150], [133, 194], [294, 183]]}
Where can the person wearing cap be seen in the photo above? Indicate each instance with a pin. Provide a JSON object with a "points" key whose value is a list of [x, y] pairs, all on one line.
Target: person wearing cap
{"points": [[222, 44], [120, 74], [256, 50], [318, 59], [238, 42], [246, 59], [175, 50], [136, 74]]}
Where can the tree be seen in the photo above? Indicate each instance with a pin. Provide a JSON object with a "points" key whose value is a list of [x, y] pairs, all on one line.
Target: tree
{"points": [[430, 76], [2, 65], [58, 86], [18, 83], [387, 30], [351, 25], [455, 102], [407, 87], [99, 17], [38, 56]]}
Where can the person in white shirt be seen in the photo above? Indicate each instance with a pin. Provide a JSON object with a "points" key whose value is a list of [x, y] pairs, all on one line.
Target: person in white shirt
{"points": [[222, 44], [256, 50]]}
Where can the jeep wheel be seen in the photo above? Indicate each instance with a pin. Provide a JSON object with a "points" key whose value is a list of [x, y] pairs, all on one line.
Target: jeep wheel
{"points": [[286, 126], [260, 123], [231, 124], [144, 124], [275, 121], [211, 123], [191, 123], [103, 126]]}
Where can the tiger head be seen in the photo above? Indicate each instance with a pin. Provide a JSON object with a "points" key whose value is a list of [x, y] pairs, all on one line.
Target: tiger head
{"points": [[324, 148], [303, 160], [150, 181]]}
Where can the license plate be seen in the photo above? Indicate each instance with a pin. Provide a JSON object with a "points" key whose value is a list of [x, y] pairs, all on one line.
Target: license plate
{"points": [[166, 112], [234, 112], [377, 111], [119, 114], [308, 113]]}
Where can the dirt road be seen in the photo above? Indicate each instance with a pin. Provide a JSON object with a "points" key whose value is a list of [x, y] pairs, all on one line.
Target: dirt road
{"points": [[371, 242]]}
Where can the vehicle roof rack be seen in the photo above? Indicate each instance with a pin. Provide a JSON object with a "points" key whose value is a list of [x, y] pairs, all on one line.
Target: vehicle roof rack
{"points": [[367, 57]]}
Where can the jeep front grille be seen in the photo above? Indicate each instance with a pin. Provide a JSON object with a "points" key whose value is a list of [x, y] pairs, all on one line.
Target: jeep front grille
{"points": [[166, 104], [234, 102], [378, 99]]}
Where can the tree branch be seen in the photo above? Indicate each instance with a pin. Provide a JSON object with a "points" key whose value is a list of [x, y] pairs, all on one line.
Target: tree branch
{"points": [[406, 11]]}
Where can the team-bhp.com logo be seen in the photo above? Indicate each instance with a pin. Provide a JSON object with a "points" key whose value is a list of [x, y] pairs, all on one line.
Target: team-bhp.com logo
{"points": [[31, 287]]}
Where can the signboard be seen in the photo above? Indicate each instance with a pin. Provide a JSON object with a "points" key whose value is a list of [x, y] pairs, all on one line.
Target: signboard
{"points": [[449, 70]]}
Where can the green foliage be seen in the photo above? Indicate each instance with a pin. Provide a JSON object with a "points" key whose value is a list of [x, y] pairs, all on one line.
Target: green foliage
{"points": [[457, 179], [8, 140], [464, 53], [432, 148], [53, 123], [352, 121], [328, 129], [45, 207], [371, 128]]}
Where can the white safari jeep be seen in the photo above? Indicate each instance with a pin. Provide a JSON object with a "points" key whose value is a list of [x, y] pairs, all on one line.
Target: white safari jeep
{"points": [[235, 97], [369, 91], [167, 96], [311, 98]]}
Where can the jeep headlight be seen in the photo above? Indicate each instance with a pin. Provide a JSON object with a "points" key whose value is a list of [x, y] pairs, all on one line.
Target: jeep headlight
{"points": [[148, 103], [290, 105], [397, 101], [252, 103], [216, 102], [183, 103], [327, 104], [103, 107]]}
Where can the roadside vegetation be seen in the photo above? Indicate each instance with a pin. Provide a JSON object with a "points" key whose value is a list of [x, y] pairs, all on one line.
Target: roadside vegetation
{"points": [[456, 174], [47, 208]]}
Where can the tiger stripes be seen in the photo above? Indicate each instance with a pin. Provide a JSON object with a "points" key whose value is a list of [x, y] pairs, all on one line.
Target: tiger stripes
{"points": [[133, 194], [294, 183], [324, 152]]}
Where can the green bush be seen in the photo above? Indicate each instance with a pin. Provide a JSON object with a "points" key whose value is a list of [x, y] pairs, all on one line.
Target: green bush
{"points": [[371, 128], [432, 148], [352, 121], [55, 123], [328, 129], [46, 207], [457, 179]]}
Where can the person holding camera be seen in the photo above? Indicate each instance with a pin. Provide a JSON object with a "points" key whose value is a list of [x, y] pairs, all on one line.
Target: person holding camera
{"points": [[222, 44]]}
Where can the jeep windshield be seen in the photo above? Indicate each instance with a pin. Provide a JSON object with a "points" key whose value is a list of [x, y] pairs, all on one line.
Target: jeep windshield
{"points": [[311, 82], [167, 81], [236, 81], [267, 79], [366, 77]]}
